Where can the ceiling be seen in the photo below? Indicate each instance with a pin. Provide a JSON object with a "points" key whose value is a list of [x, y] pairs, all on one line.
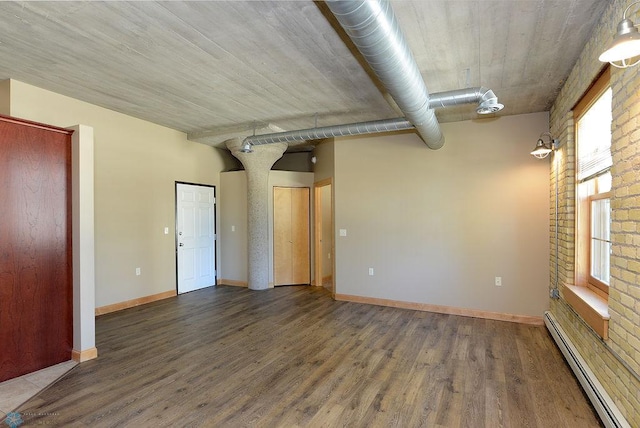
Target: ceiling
{"points": [[219, 69]]}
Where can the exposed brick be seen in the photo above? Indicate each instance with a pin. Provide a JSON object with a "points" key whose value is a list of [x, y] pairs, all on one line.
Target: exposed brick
{"points": [[634, 189], [624, 296], [634, 214], [629, 252]]}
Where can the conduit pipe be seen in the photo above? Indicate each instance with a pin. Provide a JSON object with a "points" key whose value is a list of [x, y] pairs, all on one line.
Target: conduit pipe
{"points": [[486, 99], [373, 28]]}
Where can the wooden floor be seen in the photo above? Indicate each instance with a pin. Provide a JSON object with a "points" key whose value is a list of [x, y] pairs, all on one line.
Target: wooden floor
{"points": [[291, 356]]}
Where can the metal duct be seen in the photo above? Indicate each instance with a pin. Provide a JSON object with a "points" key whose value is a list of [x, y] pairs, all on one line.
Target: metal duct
{"points": [[360, 128], [483, 96], [486, 99], [373, 28]]}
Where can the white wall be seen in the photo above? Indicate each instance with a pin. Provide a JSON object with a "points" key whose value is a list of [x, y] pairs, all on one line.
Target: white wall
{"points": [[233, 235], [83, 240], [136, 166], [439, 226], [325, 154]]}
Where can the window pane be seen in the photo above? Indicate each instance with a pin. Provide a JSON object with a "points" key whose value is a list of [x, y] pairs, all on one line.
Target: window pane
{"points": [[600, 213], [592, 116], [604, 182], [594, 137], [600, 251], [600, 239]]}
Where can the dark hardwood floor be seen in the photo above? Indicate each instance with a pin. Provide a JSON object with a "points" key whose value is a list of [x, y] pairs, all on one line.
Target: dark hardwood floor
{"points": [[291, 356]]}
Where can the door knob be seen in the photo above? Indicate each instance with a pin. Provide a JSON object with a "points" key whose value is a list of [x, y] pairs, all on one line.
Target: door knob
{"points": [[181, 244]]}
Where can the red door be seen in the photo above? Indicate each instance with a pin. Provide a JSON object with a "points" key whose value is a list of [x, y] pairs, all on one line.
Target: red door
{"points": [[36, 318]]}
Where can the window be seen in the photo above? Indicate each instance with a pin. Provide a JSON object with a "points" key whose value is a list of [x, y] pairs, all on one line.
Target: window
{"points": [[600, 240], [590, 292], [593, 116]]}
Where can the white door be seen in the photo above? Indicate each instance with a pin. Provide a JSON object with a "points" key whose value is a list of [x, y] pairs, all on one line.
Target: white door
{"points": [[195, 236]]}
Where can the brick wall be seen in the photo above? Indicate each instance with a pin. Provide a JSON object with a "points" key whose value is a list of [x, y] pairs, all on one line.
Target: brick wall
{"points": [[616, 362]]}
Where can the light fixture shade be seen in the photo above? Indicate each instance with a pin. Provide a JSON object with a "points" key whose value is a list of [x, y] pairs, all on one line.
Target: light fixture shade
{"points": [[541, 150], [625, 45]]}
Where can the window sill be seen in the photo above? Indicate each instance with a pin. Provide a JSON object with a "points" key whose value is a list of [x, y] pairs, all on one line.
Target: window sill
{"points": [[593, 308]]}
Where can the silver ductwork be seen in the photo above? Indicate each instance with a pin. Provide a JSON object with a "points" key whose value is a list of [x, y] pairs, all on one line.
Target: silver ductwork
{"points": [[486, 99], [360, 128], [373, 28]]}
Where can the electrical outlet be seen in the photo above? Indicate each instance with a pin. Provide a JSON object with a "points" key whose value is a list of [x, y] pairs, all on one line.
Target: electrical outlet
{"points": [[233, 228], [498, 281], [137, 271]]}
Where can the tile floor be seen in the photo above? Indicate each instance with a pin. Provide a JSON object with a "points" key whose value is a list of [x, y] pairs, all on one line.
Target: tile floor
{"points": [[16, 391]]}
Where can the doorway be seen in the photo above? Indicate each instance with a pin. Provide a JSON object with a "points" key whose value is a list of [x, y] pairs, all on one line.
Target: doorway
{"points": [[195, 236], [323, 241]]}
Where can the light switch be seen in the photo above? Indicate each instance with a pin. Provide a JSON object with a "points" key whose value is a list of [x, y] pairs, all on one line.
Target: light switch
{"points": [[166, 230], [233, 228], [343, 232]]}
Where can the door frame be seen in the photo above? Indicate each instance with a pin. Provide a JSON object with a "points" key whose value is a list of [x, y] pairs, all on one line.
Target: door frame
{"points": [[317, 235], [215, 227]]}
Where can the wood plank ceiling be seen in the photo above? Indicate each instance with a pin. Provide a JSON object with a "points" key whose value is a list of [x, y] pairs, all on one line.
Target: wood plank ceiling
{"points": [[214, 69]]}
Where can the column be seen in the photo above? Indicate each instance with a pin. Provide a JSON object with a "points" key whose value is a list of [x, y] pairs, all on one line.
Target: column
{"points": [[257, 166]]}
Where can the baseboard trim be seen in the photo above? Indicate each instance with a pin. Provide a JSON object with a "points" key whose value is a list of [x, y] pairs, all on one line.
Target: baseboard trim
{"points": [[603, 404], [425, 307], [84, 355], [233, 282], [134, 302]]}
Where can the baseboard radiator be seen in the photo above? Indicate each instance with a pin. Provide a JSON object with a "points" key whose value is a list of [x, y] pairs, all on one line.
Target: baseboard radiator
{"points": [[606, 408]]}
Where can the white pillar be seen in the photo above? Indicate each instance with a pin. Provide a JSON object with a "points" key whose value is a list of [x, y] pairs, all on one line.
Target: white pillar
{"points": [[83, 245], [257, 166]]}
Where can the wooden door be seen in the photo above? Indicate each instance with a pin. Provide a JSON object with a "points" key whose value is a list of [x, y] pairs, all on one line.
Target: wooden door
{"points": [[291, 235], [36, 313]]}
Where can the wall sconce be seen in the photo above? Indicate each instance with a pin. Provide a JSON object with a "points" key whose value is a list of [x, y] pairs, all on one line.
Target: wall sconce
{"points": [[542, 149], [246, 148], [625, 44]]}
